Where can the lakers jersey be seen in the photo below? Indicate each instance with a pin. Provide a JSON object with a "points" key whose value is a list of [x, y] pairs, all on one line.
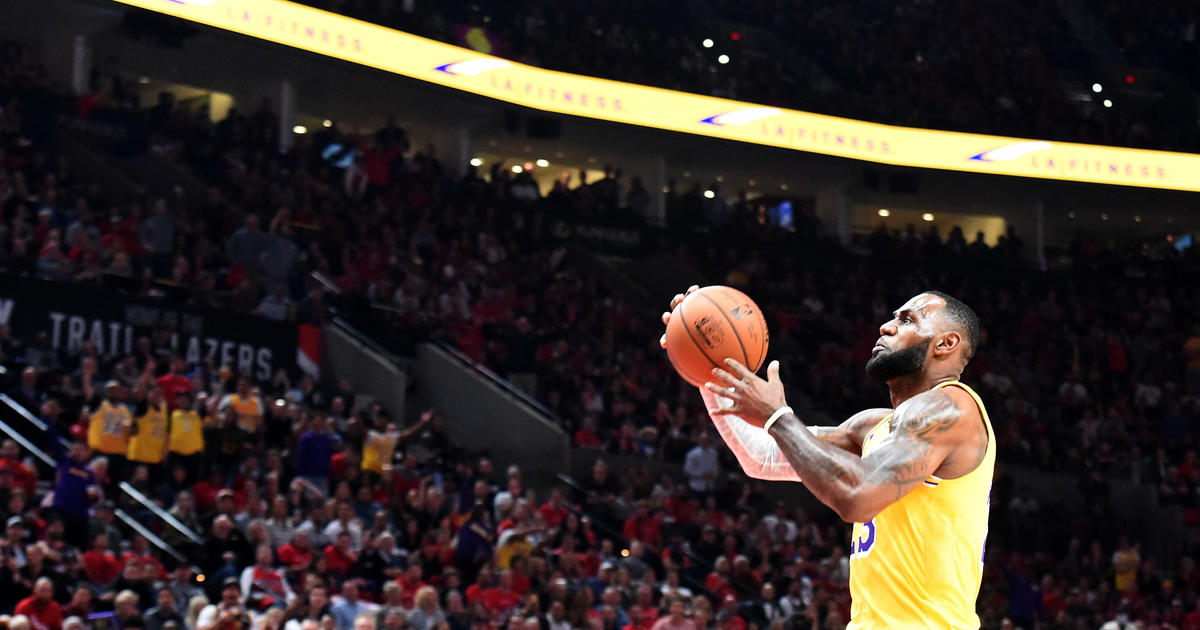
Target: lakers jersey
{"points": [[108, 429], [186, 436], [378, 450], [148, 444], [249, 412], [919, 562]]}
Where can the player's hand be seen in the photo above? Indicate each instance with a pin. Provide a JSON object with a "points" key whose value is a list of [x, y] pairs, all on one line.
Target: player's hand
{"points": [[751, 398], [666, 317]]}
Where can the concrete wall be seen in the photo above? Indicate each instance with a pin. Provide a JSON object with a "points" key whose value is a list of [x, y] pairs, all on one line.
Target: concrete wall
{"points": [[370, 371], [482, 415]]}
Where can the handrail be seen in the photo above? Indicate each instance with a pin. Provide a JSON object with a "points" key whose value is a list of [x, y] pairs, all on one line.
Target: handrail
{"points": [[362, 338], [121, 514], [20, 409], [159, 512], [26, 444], [498, 380], [149, 535], [324, 281], [129, 490]]}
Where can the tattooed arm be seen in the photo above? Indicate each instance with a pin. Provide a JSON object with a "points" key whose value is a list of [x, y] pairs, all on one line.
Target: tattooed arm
{"points": [[759, 454], [858, 488]]}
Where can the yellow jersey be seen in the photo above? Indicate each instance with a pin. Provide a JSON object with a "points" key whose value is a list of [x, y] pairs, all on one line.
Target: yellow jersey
{"points": [[378, 450], [249, 412], [108, 429], [918, 564], [187, 432], [148, 444]]}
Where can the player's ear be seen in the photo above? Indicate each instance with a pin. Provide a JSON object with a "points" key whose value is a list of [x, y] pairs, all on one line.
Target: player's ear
{"points": [[946, 343]]}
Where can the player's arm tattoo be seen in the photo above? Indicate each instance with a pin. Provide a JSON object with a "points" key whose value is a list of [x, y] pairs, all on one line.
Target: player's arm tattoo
{"points": [[849, 435], [857, 488]]}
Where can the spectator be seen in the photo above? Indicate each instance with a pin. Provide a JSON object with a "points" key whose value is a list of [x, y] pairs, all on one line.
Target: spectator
{"points": [[350, 608], [228, 613], [674, 619], [43, 612], [263, 586], [701, 465], [426, 615], [164, 612]]}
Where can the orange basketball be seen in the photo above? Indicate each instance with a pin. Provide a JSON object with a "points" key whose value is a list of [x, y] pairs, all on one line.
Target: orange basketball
{"points": [[711, 325]]}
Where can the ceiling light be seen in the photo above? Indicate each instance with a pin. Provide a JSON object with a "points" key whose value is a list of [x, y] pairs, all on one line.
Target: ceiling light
{"points": [[542, 162], [927, 217], [516, 168], [300, 129], [476, 162], [884, 212]]}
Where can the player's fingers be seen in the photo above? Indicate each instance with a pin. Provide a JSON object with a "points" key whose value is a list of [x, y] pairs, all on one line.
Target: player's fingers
{"points": [[722, 390], [676, 300], [666, 316], [662, 341], [725, 377], [738, 369], [773, 372], [692, 289]]}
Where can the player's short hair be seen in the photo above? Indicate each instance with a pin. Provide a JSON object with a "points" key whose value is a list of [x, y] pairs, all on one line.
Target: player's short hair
{"points": [[964, 318]]}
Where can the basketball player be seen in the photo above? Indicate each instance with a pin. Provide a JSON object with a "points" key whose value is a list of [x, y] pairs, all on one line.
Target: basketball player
{"points": [[913, 479]]}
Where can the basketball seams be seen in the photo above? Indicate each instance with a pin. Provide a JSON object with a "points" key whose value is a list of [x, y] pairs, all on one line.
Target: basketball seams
{"points": [[732, 328], [688, 330], [762, 328]]}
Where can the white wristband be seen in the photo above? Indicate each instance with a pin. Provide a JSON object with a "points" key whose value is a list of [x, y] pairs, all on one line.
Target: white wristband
{"points": [[776, 416]]}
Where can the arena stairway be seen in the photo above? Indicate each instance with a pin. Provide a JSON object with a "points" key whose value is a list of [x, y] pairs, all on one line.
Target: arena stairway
{"points": [[29, 432]]}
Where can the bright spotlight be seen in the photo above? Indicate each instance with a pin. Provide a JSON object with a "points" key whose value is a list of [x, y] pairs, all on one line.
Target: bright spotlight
{"points": [[542, 163], [723, 59], [1097, 88], [708, 194], [476, 162], [300, 130], [517, 168], [884, 212], [707, 43], [927, 217]]}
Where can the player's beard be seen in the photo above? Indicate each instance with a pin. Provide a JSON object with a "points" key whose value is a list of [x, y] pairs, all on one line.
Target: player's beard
{"points": [[886, 366]]}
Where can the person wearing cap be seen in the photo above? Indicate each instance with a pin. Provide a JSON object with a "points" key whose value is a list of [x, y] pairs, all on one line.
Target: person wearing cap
{"points": [[185, 440], [15, 535], [227, 614], [109, 428], [75, 487]]}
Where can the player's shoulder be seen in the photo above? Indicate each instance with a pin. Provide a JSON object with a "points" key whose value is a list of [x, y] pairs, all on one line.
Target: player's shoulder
{"points": [[934, 411]]}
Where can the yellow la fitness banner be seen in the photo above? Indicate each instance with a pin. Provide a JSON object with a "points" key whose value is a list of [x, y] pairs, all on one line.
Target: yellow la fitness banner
{"points": [[368, 44]]}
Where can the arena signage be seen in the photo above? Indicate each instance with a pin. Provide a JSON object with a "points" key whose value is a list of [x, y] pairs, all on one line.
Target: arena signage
{"points": [[75, 315], [379, 47]]}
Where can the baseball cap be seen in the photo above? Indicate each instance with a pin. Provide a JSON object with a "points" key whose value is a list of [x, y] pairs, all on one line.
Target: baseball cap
{"points": [[606, 565], [230, 581], [15, 520]]}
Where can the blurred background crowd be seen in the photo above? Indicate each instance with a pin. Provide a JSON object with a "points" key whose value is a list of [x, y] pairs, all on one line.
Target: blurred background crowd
{"points": [[312, 508]]}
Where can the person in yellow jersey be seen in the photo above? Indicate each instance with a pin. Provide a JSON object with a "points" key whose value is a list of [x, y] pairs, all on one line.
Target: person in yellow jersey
{"points": [[148, 444], [913, 478], [185, 438], [109, 428], [247, 405], [379, 448]]}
